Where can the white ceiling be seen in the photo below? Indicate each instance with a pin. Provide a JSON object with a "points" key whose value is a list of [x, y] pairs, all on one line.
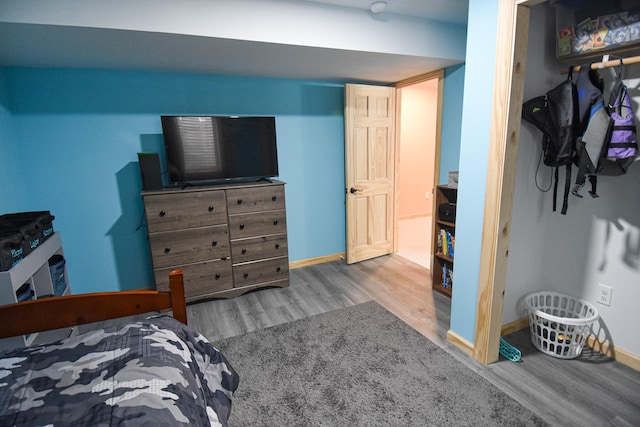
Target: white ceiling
{"points": [[454, 11], [42, 45]]}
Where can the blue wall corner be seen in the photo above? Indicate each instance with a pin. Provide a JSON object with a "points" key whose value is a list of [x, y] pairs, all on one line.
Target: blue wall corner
{"points": [[474, 154], [79, 132]]}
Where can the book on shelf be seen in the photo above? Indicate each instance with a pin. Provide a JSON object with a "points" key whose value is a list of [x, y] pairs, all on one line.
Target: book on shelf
{"points": [[447, 276], [446, 243]]}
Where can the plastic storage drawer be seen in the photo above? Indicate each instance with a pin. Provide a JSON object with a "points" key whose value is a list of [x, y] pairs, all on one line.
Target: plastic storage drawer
{"points": [[21, 233]]}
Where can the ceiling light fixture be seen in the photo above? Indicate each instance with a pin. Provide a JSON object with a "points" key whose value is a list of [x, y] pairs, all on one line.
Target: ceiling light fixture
{"points": [[378, 6]]}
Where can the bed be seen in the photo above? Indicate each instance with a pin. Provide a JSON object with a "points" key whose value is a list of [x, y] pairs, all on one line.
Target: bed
{"points": [[154, 371]]}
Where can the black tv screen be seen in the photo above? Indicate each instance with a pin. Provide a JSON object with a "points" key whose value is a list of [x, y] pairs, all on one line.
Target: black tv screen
{"points": [[219, 148]]}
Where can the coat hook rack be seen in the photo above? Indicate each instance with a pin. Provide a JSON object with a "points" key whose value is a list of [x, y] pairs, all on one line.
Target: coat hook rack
{"points": [[606, 64]]}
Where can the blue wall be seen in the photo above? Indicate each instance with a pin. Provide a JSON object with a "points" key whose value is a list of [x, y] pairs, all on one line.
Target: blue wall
{"points": [[451, 115], [14, 193], [78, 132], [71, 137], [474, 153]]}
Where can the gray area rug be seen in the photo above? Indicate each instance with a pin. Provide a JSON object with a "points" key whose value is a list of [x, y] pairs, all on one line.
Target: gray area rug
{"points": [[359, 366]]}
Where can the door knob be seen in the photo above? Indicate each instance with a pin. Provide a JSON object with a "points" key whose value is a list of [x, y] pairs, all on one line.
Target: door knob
{"points": [[353, 190]]}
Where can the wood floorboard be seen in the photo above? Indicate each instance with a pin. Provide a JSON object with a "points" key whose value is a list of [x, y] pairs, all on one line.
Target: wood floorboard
{"points": [[589, 391]]}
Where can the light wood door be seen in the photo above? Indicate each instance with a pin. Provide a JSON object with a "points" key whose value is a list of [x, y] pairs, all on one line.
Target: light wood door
{"points": [[370, 150]]}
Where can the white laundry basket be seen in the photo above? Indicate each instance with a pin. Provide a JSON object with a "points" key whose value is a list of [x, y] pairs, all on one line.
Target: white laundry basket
{"points": [[559, 324]]}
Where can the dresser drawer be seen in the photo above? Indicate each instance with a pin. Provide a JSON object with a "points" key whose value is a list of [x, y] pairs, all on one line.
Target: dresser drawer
{"points": [[256, 199], [201, 279], [246, 250], [261, 271], [174, 248], [258, 224], [173, 211]]}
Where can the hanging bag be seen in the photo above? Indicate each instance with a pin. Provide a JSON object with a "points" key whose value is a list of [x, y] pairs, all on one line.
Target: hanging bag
{"points": [[617, 148], [595, 125], [556, 115], [622, 139]]}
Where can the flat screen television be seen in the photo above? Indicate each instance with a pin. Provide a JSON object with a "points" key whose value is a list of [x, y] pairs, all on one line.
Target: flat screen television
{"points": [[209, 149]]}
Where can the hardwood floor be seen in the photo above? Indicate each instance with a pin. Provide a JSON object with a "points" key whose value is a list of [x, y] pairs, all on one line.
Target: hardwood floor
{"points": [[589, 391]]}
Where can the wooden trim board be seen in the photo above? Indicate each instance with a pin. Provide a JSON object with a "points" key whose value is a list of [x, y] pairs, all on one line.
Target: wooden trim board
{"points": [[439, 76], [415, 216], [515, 326], [603, 347], [463, 345], [317, 260], [618, 354], [511, 51]]}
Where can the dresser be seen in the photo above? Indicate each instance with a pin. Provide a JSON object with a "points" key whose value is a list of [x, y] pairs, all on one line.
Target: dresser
{"points": [[227, 239]]}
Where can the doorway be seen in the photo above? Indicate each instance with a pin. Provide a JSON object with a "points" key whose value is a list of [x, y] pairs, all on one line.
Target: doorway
{"points": [[417, 135], [372, 153]]}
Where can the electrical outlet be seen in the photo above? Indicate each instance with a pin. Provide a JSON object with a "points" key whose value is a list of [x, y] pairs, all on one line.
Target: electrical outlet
{"points": [[604, 296]]}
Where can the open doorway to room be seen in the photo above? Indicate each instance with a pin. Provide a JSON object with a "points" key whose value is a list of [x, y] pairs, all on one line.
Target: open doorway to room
{"points": [[417, 136]]}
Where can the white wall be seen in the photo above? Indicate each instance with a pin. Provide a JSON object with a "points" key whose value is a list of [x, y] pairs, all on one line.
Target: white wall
{"points": [[598, 241], [298, 23]]}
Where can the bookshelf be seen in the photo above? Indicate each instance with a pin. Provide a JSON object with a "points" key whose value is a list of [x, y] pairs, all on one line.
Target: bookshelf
{"points": [[443, 245]]}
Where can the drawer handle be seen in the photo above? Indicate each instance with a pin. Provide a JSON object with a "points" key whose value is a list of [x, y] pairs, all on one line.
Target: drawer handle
{"points": [[239, 201], [273, 198], [214, 243], [241, 226], [210, 208], [245, 275], [277, 245], [162, 213], [244, 251], [217, 276], [275, 222], [278, 269], [167, 250]]}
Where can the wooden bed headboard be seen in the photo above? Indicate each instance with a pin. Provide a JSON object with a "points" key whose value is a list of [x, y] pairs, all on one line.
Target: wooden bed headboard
{"points": [[73, 310]]}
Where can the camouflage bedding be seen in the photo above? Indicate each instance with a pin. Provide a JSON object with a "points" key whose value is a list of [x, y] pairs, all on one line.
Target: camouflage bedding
{"points": [[153, 372]]}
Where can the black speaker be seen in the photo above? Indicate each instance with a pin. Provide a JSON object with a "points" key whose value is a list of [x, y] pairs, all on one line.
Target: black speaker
{"points": [[150, 171], [447, 212]]}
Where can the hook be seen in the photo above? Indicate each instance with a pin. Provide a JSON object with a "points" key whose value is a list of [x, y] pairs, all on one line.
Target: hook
{"points": [[620, 69], [619, 66]]}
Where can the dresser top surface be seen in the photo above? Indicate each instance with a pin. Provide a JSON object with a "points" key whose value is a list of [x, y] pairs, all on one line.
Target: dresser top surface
{"points": [[223, 186]]}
